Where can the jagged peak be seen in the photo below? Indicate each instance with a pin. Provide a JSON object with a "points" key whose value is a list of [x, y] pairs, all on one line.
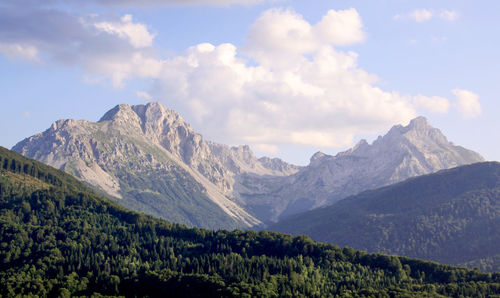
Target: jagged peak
{"points": [[360, 144], [64, 123], [316, 156], [419, 123], [115, 112], [144, 114], [154, 110], [156, 107]]}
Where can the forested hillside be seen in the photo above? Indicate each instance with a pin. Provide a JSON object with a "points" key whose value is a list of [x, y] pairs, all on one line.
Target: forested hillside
{"points": [[451, 217], [58, 238]]}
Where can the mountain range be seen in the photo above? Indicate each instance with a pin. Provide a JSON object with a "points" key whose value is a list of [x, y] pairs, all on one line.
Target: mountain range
{"points": [[149, 159], [450, 217], [404, 152], [58, 238]]}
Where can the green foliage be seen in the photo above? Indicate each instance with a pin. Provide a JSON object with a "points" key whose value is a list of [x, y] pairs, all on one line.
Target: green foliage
{"points": [[66, 240], [451, 217], [172, 195], [18, 164]]}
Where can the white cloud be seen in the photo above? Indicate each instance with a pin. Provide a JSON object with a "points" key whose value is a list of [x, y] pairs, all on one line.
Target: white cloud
{"points": [[343, 27], [111, 49], [143, 95], [301, 91], [281, 38], [291, 86], [424, 15], [137, 34], [421, 15], [15, 50], [119, 67], [433, 104], [467, 103]]}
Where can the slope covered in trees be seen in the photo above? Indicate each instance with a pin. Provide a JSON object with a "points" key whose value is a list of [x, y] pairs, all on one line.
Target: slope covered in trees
{"points": [[58, 238], [450, 217]]}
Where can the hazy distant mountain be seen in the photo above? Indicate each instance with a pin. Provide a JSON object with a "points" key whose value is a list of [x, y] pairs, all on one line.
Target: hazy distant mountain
{"points": [[450, 217], [403, 152], [151, 160]]}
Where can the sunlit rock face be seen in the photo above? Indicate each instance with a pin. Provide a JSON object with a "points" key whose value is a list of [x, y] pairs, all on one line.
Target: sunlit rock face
{"points": [[404, 152], [147, 156], [134, 152]]}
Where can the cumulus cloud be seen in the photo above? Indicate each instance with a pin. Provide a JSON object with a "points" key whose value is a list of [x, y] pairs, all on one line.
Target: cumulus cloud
{"points": [[342, 27], [137, 34], [282, 37], [433, 104], [467, 103], [116, 49], [289, 84], [301, 91], [423, 15]]}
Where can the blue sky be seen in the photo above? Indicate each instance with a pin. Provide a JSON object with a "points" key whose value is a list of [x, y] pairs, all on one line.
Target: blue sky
{"points": [[288, 78]]}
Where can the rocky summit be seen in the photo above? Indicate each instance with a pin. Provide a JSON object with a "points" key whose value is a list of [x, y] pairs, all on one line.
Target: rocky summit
{"points": [[404, 152], [150, 160]]}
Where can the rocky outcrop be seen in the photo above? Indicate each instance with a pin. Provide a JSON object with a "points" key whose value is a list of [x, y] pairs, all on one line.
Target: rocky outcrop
{"points": [[241, 159]]}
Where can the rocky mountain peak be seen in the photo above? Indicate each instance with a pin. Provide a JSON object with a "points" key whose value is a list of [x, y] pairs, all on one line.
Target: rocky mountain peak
{"points": [[155, 115], [317, 157], [119, 111], [152, 118], [418, 132], [419, 123], [63, 123], [160, 126], [138, 152], [360, 148], [404, 152]]}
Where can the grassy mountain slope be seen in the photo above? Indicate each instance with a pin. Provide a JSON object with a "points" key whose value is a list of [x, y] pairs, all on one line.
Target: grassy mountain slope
{"points": [[451, 217], [58, 238]]}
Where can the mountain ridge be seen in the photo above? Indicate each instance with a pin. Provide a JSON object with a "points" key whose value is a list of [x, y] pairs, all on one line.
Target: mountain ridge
{"points": [[449, 217], [149, 138], [404, 152], [144, 147]]}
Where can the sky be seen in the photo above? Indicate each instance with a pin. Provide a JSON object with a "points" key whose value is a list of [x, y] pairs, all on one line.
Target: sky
{"points": [[289, 78]]}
